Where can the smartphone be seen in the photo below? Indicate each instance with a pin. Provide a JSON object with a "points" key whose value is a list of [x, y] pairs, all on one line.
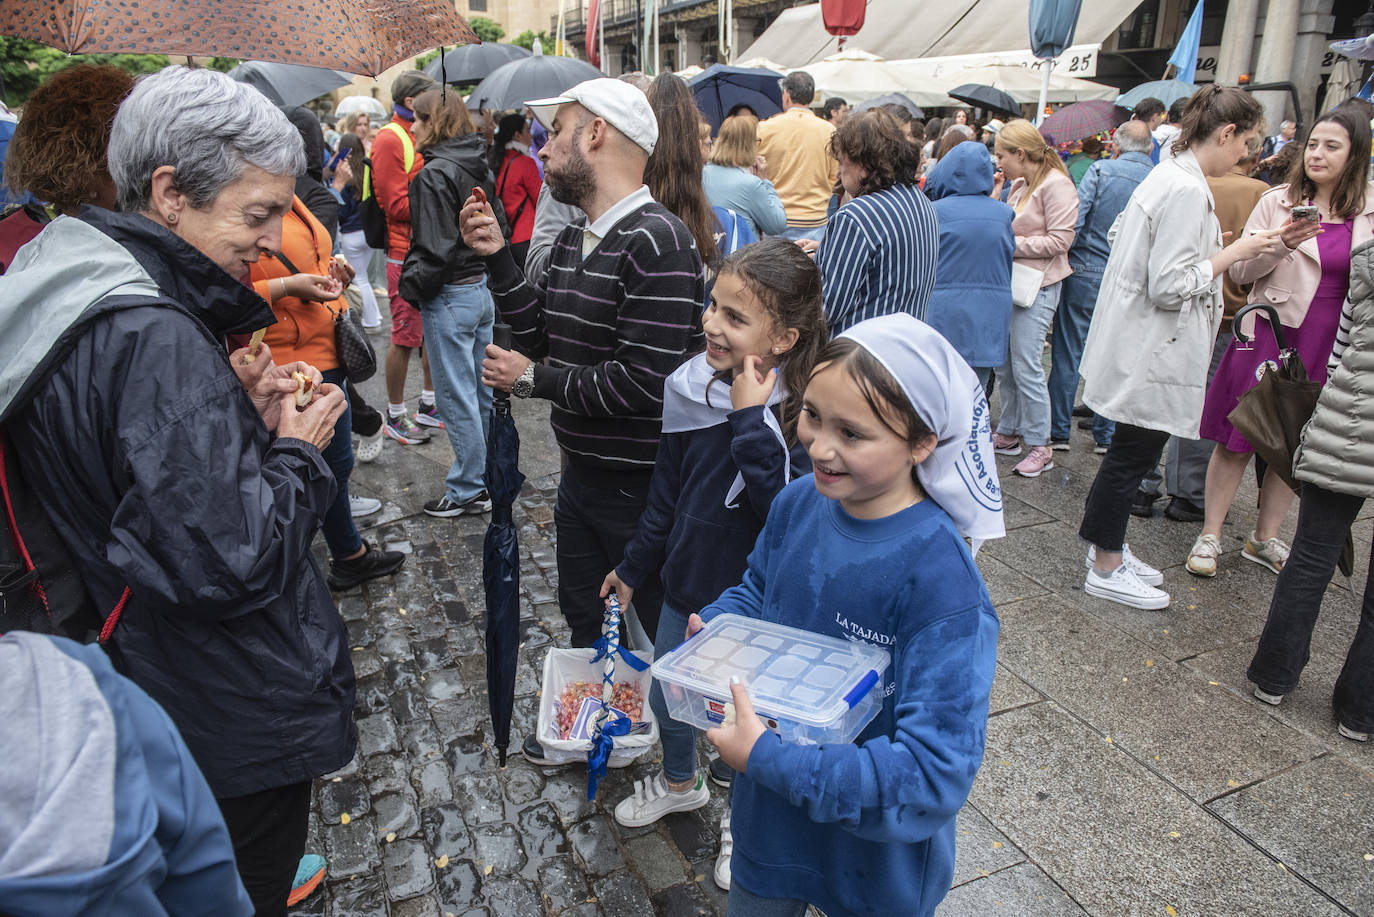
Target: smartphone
{"points": [[1307, 212]]}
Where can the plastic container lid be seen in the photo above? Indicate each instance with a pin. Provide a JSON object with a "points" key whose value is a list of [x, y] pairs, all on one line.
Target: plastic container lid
{"points": [[791, 674]]}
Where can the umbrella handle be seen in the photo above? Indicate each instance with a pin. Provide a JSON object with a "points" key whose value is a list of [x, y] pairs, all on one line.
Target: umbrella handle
{"points": [[501, 336], [1272, 315]]}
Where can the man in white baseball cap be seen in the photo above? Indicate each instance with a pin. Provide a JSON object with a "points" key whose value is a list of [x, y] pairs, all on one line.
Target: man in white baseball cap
{"points": [[618, 310]]}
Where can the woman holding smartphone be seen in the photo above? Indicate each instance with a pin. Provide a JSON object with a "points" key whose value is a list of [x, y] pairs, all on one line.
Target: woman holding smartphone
{"points": [[1323, 212]]}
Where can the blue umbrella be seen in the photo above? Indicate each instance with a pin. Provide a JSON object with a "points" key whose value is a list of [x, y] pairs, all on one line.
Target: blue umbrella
{"points": [[719, 88], [470, 63], [1167, 91], [289, 84], [501, 561], [1052, 24]]}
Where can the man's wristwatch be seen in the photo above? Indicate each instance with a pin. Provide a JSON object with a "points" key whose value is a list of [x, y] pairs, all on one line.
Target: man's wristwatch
{"points": [[523, 387]]}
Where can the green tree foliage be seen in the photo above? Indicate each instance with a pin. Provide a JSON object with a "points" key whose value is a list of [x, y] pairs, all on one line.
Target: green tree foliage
{"points": [[26, 65], [486, 29], [526, 40]]}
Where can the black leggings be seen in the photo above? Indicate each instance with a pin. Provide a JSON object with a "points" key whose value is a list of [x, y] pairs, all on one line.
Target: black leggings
{"points": [[268, 832]]}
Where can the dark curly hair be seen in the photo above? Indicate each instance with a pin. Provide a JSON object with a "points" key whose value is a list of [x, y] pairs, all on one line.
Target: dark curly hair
{"points": [[877, 143], [58, 152]]}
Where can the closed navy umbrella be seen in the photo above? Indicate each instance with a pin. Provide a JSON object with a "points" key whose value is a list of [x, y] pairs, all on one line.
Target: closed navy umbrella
{"points": [[470, 63], [501, 561], [719, 88], [289, 84]]}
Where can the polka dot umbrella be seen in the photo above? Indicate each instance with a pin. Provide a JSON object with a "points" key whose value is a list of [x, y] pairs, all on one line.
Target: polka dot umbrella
{"points": [[357, 37]]}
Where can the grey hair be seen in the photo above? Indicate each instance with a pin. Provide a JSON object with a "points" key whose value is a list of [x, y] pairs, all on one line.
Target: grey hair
{"points": [[963, 129], [1288, 122], [1134, 137], [799, 86], [204, 125]]}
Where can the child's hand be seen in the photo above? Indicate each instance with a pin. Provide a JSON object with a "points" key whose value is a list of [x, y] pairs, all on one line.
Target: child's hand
{"points": [[735, 741], [694, 624], [622, 592], [751, 388]]}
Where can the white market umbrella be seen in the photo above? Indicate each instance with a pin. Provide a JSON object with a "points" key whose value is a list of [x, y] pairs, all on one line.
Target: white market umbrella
{"points": [[856, 76]]}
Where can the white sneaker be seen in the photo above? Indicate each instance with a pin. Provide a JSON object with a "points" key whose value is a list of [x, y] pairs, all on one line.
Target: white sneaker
{"points": [[369, 447], [727, 847], [652, 800], [1124, 587], [363, 506], [1148, 575]]}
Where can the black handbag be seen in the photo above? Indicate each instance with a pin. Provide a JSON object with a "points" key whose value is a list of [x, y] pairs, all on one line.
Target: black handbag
{"points": [[351, 344]]}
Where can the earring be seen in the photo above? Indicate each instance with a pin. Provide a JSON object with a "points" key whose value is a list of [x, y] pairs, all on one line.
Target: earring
{"points": [[777, 350], [171, 218]]}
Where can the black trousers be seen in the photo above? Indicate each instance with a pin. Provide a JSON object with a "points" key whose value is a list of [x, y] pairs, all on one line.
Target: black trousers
{"points": [[268, 832], [595, 520], [1324, 518], [1134, 452]]}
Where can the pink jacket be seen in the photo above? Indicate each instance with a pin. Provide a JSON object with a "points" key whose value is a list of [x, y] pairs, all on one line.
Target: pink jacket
{"points": [[1044, 228], [1288, 281]]}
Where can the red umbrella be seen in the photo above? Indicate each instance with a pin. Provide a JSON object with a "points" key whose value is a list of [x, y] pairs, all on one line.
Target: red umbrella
{"points": [[1084, 119], [341, 35], [843, 17]]}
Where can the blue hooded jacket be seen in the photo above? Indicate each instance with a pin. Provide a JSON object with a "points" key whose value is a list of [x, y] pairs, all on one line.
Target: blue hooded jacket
{"points": [[102, 809], [971, 303]]}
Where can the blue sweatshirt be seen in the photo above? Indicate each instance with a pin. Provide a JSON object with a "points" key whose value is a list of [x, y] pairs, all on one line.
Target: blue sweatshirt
{"points": [[700, 544], [867, 828]]}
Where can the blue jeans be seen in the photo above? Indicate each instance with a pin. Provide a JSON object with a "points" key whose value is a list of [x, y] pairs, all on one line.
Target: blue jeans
{"points": [[744, 903], [793, 233], [679, 739], [1071, 323], [1025, 397], [457, 325], [339, 531]]}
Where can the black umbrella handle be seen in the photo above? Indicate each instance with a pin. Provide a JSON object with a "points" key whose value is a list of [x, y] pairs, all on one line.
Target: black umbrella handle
{"points": [[1274, 323], [501, 336]]}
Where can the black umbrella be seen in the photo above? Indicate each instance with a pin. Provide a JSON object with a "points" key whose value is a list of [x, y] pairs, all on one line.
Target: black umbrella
{"points": [[470, 63], [892, 98], [539, 76], [501, 561], [980, 96], [289, 84], [719, 88]]}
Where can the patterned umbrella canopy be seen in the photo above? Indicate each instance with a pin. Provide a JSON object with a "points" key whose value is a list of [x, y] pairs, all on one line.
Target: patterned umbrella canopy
{"points": [[361, 36], [1083, 119]]}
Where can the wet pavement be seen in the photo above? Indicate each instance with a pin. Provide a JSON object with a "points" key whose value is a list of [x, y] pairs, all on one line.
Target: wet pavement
{"points": [[1128, 771]]}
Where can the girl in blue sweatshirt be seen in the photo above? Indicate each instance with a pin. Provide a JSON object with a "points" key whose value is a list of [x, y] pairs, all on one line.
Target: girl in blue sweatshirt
{"points": [[872, 549], [728, 447]]}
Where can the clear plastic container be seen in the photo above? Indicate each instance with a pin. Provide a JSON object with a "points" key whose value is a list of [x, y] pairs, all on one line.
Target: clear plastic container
{"points": [[806, 687]]}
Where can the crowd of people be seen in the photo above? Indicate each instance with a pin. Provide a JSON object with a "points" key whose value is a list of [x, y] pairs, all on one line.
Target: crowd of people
{"points": [[769, 349]]}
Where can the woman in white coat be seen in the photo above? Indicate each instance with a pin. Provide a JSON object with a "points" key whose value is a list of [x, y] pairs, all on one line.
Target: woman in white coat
{"points": [[1158, 310]]}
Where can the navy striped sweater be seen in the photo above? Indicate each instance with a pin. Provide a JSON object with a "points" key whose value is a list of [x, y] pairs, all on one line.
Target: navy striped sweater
{"points": [[612, 327]]}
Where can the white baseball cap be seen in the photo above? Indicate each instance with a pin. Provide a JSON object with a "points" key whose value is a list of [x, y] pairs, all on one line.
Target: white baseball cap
{"points": [[622, 106]]}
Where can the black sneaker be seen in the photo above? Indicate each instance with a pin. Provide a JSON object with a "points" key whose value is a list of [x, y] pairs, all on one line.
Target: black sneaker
{"points": [[1143, 505], [1059, 445], [721, 773], [372, 563], [534, 752], [1082, 410], [1087, 423], [1181, 510], [445, 508]]}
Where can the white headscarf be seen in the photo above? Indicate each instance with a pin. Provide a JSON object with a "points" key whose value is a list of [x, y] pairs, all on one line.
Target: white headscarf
{"points": [[685, 407], [960, 475]]}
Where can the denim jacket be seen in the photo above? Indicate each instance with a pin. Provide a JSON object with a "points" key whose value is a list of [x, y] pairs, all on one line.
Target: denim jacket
{"points": [[1102, 195]]}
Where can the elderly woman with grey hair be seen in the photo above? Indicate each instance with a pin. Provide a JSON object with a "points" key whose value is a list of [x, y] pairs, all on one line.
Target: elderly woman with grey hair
{"points": [[183, 479]]}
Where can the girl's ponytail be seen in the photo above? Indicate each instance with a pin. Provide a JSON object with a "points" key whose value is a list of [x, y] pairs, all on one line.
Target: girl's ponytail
{"points": [[788, 285], [1213, 107]]}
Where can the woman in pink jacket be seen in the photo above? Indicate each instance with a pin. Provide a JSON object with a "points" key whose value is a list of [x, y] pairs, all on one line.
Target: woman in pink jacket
{"points": [[1046, 205], [1306, 281]]}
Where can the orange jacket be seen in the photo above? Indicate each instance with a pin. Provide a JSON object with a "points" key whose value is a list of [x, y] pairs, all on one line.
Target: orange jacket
{"points": [[304, 330], [391, 184]]}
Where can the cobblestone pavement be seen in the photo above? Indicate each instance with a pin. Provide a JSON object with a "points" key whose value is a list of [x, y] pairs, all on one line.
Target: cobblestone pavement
{"points": [[1127, 771]]}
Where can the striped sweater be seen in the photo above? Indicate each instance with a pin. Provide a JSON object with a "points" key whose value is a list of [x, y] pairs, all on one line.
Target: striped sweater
{"points": [[612, 327], [879, 256]]}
